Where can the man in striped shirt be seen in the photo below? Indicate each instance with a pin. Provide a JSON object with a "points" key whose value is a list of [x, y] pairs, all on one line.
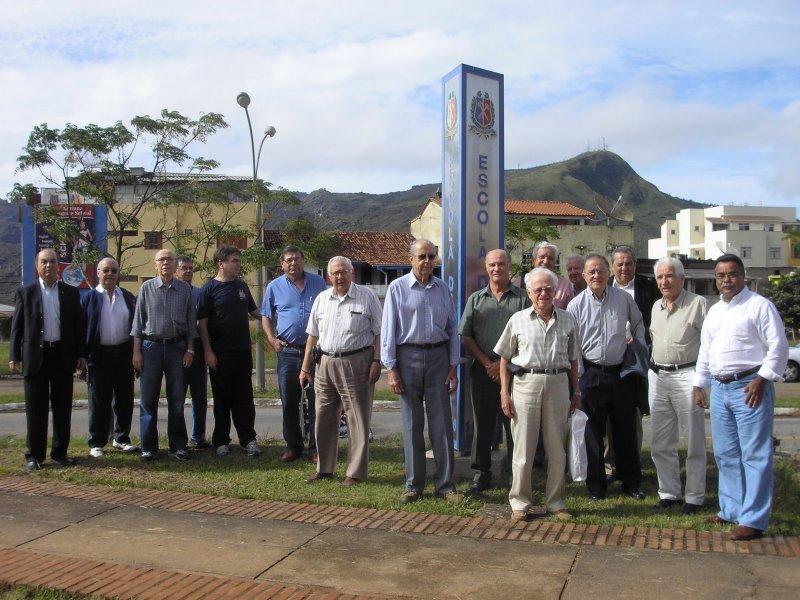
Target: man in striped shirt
{"points": [[346, 321]]}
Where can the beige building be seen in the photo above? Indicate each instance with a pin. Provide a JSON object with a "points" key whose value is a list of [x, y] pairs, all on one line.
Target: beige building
{"points": [[579, 232], [757, 234]]}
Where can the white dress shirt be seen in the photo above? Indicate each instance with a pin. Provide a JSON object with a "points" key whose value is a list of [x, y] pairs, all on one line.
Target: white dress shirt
{"points": [[51, 312], [741, 334], [114, 329], [631, 290]]}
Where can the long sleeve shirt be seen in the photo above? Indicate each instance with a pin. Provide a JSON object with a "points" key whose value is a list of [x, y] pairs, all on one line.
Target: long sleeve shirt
{"points": [[602, 324], [417, 314], [741, 334]]}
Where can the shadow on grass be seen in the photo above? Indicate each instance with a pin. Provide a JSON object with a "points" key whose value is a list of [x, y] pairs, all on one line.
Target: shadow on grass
{"points": [[267, 478]]}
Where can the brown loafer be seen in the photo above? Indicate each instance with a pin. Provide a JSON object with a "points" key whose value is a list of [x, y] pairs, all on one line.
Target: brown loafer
{"points": [[717, 520], [350, 481], [744, 533], [410, 496], [289, 456], [318, 476]]}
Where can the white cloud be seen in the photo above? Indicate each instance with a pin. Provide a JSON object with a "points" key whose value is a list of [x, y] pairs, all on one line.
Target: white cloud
{"points": [[354, 87]]}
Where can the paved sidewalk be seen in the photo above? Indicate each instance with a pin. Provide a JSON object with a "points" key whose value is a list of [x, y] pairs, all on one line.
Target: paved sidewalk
{"points": [[148, 544]]}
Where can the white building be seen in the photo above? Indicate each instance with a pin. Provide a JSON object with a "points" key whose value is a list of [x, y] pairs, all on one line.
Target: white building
{"points": [[757, 234]]}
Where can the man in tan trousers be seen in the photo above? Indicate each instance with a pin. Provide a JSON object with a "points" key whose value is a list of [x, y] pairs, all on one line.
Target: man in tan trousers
{"points": [[346, 321]]}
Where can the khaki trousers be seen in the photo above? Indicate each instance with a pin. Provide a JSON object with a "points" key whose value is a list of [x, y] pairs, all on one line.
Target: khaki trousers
{"points": [[344, 383], [539, 399]]}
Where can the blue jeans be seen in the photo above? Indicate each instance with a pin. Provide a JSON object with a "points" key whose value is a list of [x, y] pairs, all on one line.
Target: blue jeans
{"points": [[195, 381], [742, 440], [289, 362], [161, 359]]}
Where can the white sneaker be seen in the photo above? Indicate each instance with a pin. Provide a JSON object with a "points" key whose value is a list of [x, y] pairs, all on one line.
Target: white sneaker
{"points": [[96, 452], [252, 449], [223, 450], [125, 447]]}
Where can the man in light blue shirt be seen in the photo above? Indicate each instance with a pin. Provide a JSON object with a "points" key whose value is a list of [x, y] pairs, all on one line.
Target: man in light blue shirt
{"points": [[602, 313], [419, 346], [284, 317]]}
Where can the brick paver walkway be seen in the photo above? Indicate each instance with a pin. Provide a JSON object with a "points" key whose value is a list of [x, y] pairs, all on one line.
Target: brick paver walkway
{"points": [[538, 531], [113, 580]]}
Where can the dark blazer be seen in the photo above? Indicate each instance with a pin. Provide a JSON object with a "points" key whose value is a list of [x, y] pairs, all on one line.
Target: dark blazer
{"points": [[645, 293], [92, 305], [27, 328]]}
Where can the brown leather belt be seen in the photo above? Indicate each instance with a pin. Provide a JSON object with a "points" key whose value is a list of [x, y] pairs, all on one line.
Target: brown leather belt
{"points": [[735, 376]]}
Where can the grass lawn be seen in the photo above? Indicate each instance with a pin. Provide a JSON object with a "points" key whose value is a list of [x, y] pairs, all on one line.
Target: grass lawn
{"points": [[787, 402], [267, 478], [29, 593]]}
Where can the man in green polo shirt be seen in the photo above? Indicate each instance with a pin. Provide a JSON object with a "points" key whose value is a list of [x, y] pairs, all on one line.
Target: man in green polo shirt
{"points": [[485, 316]]}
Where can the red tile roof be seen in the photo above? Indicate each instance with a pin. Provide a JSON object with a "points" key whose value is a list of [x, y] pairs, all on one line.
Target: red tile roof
{"points": [[543, 208], [376, 247]]}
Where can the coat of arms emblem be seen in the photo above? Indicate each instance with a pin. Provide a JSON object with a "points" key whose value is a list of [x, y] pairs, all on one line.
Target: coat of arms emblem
{"points": [[481, 114], [451, 116]]}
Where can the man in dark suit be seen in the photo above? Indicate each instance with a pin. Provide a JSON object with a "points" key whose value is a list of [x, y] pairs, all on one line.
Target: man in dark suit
{"points": [[645, 293], [47, 339], [108, 310]]}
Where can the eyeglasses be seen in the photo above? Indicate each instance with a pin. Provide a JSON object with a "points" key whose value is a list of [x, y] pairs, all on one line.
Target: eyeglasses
{"points": [[727, 275], [108, 270], [424, 256], [594, 272], [548, 289], [165, 259]]}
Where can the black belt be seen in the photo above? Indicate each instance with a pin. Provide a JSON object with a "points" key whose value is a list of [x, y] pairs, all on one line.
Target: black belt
{"points": [[657, 367], [735, 376], [50, 344], [543, 371], [425, 346], [164, 341], [604, 368], [347, 353]]}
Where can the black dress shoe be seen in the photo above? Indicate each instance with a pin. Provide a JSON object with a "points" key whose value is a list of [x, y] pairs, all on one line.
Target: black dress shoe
{"points": [[32, 465], [597, 495], [476, 487], [690, 509], [65, 461], [636, 493], [666, 503]]}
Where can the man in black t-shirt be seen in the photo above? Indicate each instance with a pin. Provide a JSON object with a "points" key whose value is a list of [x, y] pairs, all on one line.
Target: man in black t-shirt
{"points": [[225, 332]]}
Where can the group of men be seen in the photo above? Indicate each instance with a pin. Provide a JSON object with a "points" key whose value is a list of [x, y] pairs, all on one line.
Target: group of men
{"points": [[600, 340]]}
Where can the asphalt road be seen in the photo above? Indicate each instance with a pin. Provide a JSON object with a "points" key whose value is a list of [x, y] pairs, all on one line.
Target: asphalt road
{"points": [[384, 423]]}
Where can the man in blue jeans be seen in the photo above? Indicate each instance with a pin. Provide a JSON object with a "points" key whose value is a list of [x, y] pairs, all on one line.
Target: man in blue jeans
{"points": [[164, 329], [743, 350], [195, 377], [284, 318]]}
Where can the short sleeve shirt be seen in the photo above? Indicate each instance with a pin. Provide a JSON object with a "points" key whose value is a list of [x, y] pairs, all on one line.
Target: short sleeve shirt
{"points": [[290, 307], [227, 305], [485, 317]]}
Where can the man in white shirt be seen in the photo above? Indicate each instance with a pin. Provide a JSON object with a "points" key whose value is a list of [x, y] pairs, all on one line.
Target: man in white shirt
{"points": [[346, 321], [743, 350], [108, 311]]}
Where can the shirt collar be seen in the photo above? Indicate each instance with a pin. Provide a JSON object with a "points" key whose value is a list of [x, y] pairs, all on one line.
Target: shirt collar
{"points": [[678, 301], [487, 291], [629, 286], [412, 281], [351, 291], [738, 298], [161, 282], [103, 290], [44, 286]]}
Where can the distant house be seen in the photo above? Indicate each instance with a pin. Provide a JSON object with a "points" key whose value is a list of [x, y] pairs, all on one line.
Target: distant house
{"points": [[578, 230]]}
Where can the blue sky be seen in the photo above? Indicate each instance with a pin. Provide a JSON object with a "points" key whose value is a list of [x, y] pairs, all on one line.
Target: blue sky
{"points": [[702, 98]]}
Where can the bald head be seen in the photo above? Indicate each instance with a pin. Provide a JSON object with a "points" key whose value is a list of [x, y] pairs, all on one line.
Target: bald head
{"points": [[47, 265]]}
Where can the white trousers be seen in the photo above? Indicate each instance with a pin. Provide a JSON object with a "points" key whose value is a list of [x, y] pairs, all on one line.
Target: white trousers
{"points": [[671, 409], [539, 399]]}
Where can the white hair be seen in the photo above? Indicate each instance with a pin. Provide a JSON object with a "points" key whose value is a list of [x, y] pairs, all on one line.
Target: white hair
{"points": [[340, 259], [419, 242], [545, 244], [538, 271], [576, 257], [669, 261]]}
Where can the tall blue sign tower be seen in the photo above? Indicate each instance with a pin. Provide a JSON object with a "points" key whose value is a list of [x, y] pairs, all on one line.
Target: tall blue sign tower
{"points": [[472, 197]]}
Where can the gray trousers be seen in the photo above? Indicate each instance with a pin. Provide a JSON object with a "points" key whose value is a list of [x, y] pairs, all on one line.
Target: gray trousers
{"points": [[424, 377]]}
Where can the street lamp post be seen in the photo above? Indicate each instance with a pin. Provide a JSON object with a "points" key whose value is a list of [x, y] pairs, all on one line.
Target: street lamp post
{"points": [[243, 100]]}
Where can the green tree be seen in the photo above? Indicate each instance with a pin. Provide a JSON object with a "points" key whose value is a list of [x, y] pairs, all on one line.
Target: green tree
{"points": [[522, 233], [96, 162], [318, 245], [785, 294]]}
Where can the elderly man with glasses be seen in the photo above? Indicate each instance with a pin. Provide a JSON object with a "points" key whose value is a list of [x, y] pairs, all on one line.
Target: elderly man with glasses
{"points": [[109, 310], [346, 321], [540, 345], [419, 346]]}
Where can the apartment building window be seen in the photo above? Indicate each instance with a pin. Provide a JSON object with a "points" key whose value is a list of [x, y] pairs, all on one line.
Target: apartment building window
{"points": [[719, 227], [774, 253], [769, 227], [697, 227], [744, 226], [672, 232], [747, 251], [153, 240]]}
